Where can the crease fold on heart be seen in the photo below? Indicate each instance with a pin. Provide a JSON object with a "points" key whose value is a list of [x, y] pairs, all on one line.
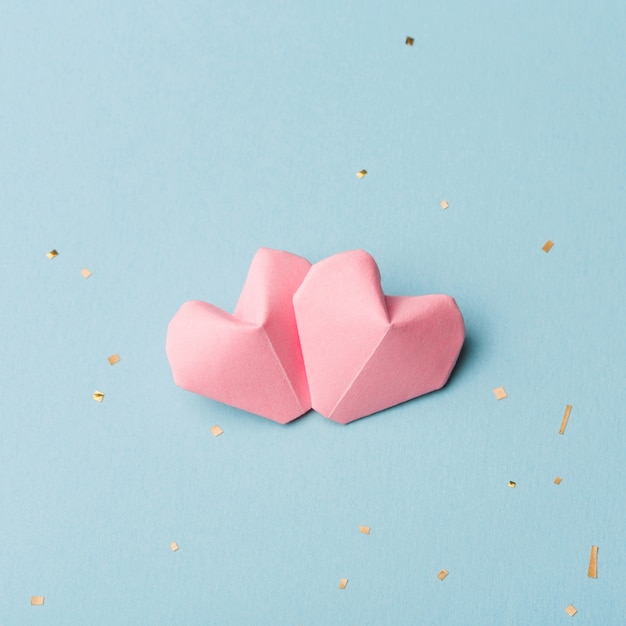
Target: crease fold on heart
{"points": [[320, 336], [364, 351], [251, 359]]}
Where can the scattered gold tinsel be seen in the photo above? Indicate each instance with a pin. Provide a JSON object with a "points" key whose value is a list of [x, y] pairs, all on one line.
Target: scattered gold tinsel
{"points": [[442, 574], [98, 396], [52, 254], [342, 583], [37, 600], [547, 246], [86, 272], [410, 41], [592, 572], [364, 529], [113, 359], [568, 410], [512, 484], [216, 430], [444, 204], [361, 174], [558, 480], [571, 610], [174, 546]]}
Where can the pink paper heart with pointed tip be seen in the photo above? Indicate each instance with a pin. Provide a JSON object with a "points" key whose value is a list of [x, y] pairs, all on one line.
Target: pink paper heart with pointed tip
{"points": [[252, 358], [364, 351]]}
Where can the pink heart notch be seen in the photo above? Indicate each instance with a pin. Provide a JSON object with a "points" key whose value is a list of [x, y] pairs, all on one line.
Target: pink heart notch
{"points": [[364, 351], [251, 359]]}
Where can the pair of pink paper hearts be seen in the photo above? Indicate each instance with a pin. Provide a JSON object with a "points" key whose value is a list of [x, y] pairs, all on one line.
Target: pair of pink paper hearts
{"points": [[320, 336]]}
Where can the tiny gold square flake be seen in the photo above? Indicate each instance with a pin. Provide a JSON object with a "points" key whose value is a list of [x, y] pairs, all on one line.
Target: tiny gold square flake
{"points": [[52, 254], [499, 393], [216, 430], [442, 574], [86, 273], [174, 546], [36, 600], [113, 359], [547, 246], [364, 529], [444, 204], [361, 174], [342, 583], [558, 480], [98, 396], [571, 610], [512, 484], [410, 41]]}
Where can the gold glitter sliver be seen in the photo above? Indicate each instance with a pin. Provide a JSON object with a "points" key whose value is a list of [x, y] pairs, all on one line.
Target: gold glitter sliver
{"points": [[499, 393], [558, 480], [113, 359], [444, 204], [571, 610], [37, 600], [342, 583], [52, 254], [512, 484], [361, 174], [547, 246], [592, 572], [364, 529], [216, 431], [174, 547], [568, 410], [410, 41], [85, 272], [442, 574], [98, 396]]}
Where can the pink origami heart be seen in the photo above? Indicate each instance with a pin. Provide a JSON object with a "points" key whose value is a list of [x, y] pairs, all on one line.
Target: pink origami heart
{"points": [[251, 359], [364, 351]]}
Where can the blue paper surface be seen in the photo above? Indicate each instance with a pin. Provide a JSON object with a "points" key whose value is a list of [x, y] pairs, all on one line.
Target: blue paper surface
{"points": [[160, 144]]}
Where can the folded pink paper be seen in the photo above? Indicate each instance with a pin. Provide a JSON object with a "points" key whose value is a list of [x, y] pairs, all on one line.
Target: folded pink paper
{"points": [[364, 351], [252, 358]]}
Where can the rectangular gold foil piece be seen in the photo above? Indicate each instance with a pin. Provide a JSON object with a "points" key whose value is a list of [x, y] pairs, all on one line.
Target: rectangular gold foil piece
{"points": [[362, 174], [571, 610], [568, 410], [410, 41], [216, 430], [342, 583], [37, 600], [98, 396], [442, 574], [52, 254], [499, 393], [512, 484], [592, 572], [113, 359], [547, 246], [85, 272], [444, 204], [174, 546], [364, 529], [558, 480]]}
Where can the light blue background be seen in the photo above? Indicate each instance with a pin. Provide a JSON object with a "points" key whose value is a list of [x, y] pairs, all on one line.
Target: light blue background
{"points": [[160, 144]]}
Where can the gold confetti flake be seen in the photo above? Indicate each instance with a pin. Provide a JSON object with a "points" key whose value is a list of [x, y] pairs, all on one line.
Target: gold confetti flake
{"points": [[547, 246], [442, 574], [216, 430], [86, 273], [592, 572], [174, 546], [361, 174], [499, 393], [410, 41], [558, 480], [364, 529], [342, 583], [113, 359], [37, 600], [512, 484], [444, 204], [571, 610], [52, 254], [98, 396], [568, 410]]}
